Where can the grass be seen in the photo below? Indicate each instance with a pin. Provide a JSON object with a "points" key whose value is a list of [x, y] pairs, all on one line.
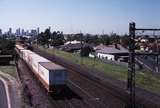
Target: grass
{"points": [[9, 69], [144, 78]]}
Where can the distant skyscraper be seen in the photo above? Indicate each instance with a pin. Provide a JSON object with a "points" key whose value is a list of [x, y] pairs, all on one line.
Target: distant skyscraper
{"points": [[33, 32], [49, 28], [10, 31], [37, 30], [0, 32], [23, 32], [27, 32], [18, 32]]}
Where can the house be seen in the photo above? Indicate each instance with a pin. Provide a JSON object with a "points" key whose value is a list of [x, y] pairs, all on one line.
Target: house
{"points": [[72, 47], [72, 42], [112, 52]]}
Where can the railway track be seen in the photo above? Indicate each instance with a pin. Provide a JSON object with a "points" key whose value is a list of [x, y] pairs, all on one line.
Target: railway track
{"points": [[68, 99], [73, 97], [106, 97], [97, 94], [90, 99], [115, 88], [84, 90]]}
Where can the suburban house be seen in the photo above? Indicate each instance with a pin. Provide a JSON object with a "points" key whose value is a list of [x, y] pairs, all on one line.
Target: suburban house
{"points": [[71, 47], [74, 46], [112, 52], [72, 42]]}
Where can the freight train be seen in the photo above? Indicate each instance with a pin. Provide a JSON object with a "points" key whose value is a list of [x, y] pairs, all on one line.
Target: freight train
{"points": [[53, 77]]}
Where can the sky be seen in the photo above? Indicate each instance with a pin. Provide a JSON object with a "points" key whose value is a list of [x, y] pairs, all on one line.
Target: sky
{"points": [[74, 16]]}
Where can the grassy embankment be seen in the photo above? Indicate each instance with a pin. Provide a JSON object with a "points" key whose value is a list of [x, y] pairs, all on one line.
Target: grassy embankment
{"points": [[9, 69], [144, 78]]}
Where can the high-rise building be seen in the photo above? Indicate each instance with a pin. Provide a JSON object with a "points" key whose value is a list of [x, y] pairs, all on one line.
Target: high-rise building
{"points": [[37, 30], [18, 32], [33, 32], [23, 32], [49, 28], [0, 32], [27, 32], [10, 31]]}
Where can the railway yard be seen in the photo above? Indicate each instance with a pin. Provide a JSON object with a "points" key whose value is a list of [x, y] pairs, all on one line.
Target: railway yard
{"points": [[84, 89]]}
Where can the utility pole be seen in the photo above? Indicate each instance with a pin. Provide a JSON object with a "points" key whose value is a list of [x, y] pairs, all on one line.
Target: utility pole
{"points": [[131, 66], [81, 36], [157, 50], [131, 62]]}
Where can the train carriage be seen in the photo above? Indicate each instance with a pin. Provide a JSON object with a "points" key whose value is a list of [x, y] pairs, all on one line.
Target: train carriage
{"points": [[19, 50], [52, 76]]}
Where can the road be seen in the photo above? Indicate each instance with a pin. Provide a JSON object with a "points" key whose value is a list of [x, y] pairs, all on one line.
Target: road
{"points": [[148, 63], [3, 96]]}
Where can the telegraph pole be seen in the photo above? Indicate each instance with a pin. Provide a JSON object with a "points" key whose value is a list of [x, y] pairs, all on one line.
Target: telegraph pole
{"points": [[131, 65]]}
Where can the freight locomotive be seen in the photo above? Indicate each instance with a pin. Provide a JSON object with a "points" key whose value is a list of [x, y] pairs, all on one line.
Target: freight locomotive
{"points": [[52, 76]]}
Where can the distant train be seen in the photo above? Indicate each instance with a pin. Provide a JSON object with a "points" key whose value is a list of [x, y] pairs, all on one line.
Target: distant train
{"points": [[52, 76]]}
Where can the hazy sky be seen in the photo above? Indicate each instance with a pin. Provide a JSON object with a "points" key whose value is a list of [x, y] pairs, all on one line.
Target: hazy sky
{"points": [[88, 16]]}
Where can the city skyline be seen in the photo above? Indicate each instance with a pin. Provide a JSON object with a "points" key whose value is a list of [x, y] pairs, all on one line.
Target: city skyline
{"points": [[73, 16]]}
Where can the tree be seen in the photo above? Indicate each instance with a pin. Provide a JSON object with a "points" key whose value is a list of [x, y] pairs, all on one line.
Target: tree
{"points": [[105, 39], [125, 40], [44, 38], [47, 36], [6, 46], [57, 39], [41, 39], [85, 51], [114, 38]]}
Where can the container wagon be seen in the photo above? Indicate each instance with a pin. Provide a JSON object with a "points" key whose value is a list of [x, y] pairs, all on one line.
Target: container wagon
{"points": [[52, 76]]}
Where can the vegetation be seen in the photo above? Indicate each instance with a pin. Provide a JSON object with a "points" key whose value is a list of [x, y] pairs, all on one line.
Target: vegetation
{"points": [[85, 51], [144, 78], [57, 38], [9, 69], [6, 46], [53, 39]]}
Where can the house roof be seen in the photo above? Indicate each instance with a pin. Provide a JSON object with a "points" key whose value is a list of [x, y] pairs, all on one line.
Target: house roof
{"points": [[77, 46], [69, 47], [112, 50], [72, 42]]}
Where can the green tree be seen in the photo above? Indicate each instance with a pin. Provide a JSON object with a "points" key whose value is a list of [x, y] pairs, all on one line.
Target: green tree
{"points": [[6, 46], [125, 40], [47, 36], [57, 38], [105, 39], [114, 38], [85, 51]]}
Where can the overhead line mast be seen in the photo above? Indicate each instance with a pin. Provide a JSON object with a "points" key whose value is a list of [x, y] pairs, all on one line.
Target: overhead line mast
{"points": [[131, 62], [131, 65]]}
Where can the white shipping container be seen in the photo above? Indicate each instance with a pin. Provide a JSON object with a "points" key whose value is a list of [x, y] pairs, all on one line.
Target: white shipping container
{"points": [[34, 61], [19, 47], [52, 73], [23, 52], [28, 56], [44, 73]]}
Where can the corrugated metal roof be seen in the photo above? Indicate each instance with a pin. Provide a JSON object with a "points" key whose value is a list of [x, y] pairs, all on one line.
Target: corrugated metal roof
{"points": [[51, 66], [112, 50]]}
